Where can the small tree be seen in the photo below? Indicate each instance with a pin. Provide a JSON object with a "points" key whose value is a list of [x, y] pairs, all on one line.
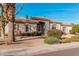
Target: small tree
{"points": [[2, 19], [75, 29]]}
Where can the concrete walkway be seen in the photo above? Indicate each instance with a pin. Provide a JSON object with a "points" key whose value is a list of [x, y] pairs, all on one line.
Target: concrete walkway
{"points": [[39, 50]]}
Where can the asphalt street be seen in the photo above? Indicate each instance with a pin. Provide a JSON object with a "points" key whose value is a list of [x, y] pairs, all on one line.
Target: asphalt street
{"points": [[67, 52]]}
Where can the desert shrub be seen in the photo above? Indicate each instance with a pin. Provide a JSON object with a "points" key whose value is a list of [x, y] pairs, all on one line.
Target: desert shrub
{"points": [[26, 34], [51, 40], [72, 39], [39, 33], [34, 33], [55, 33]]}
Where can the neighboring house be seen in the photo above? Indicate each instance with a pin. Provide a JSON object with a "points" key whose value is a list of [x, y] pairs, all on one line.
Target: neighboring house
{"points": [[36, 24]]}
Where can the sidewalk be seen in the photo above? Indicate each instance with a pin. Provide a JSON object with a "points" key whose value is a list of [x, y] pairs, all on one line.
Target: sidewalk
{"points": [[39, 49]]}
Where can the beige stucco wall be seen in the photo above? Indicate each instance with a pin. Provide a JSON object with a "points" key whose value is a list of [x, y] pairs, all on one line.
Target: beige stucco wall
{"points": [[51, 24], [21, 28], [62, 28], [58, 26], [47, 27], [67, 29], [33, 27]]}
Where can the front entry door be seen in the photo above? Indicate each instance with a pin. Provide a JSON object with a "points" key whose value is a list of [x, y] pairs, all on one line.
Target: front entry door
{"points": [[40, 27]]}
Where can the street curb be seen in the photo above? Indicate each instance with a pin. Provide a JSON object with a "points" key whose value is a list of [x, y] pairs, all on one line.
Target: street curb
{"points": [[39, 50]]}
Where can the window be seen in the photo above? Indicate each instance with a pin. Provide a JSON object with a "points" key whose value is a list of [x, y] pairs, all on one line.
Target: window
{"points": [[54, 26], [26, 28], [64, 28]]}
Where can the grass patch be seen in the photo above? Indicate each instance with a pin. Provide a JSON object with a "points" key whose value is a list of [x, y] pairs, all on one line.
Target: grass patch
{"points": [[72, 39]]}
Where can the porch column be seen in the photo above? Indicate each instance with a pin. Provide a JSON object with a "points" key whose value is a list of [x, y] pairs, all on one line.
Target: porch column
{"points": [[18, 30], [29, 28], [46, 27]]}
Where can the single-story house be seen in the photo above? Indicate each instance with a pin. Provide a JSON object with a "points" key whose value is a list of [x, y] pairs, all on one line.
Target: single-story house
{"points": [[36, 24]]}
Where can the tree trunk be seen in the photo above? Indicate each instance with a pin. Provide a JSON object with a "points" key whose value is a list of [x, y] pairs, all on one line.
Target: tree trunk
{"points": [[11, 18], [11, 37]]}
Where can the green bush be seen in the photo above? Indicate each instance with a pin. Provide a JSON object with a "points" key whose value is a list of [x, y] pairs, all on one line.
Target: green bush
{"points": [[72, 32], [72, 39], [75, 39], [68, 40], [26, 34], [75, 29], [32, 34], [51, 40], [39, 33], [55, 33]]}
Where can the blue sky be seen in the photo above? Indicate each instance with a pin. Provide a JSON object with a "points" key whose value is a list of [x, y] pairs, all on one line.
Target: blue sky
{"points": [[64, 12]]}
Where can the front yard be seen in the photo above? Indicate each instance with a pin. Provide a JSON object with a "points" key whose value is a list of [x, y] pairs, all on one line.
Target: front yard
{"points": [[34, 41], [23, 42]]}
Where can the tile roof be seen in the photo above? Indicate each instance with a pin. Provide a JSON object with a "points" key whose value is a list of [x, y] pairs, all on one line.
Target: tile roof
{"points": [[54, 21], [39, 18], [66, 24]]}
